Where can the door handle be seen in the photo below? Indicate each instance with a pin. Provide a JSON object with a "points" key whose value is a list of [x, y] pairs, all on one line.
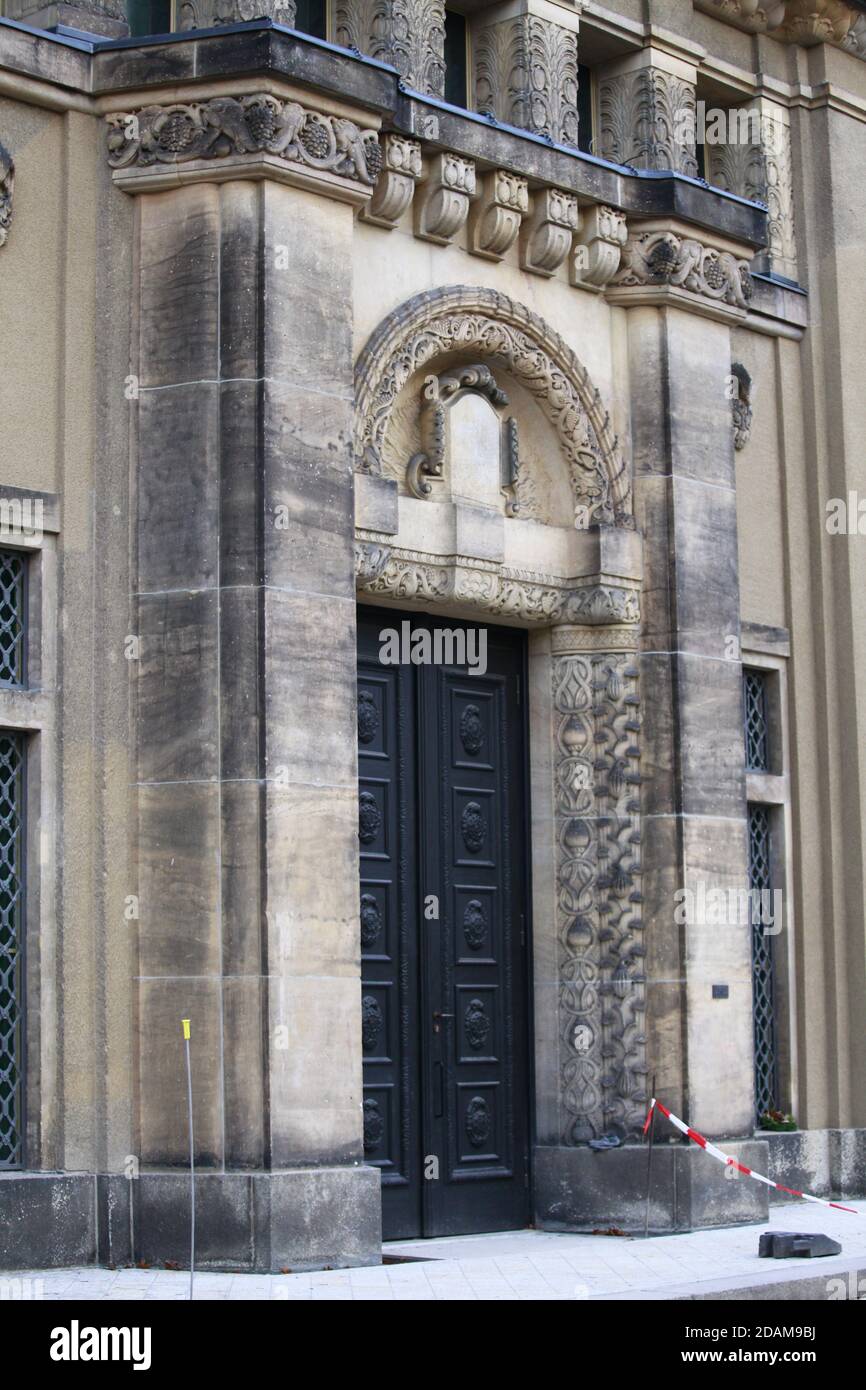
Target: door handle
{"points": [[438, 1016]]}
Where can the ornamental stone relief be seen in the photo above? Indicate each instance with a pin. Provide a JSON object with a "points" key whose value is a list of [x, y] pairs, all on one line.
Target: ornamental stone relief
{"points": [[526, 75], [409, 34], [599, 928], [484, 326], [663, 258], [226, 126], [796, 21], [207, 14], [7, 183], [763, 172], [648, 120]]}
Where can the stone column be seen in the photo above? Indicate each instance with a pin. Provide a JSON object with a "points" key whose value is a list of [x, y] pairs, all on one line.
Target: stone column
{"points": [[410, 34], [682, 296], [647, 112], [247, 835], [755, 161], [525, 67]]}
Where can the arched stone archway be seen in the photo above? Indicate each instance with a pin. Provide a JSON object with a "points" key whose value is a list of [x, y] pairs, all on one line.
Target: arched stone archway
{"points": [[482, 325]]}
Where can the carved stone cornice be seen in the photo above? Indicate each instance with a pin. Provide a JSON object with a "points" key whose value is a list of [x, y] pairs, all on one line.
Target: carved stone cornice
{"points": [[659, 259], [255, 128], [468, 319], [408, 34], [401, 170], [648, 120], [806, 22], [492, 589], [525, 74], [7, 184]]}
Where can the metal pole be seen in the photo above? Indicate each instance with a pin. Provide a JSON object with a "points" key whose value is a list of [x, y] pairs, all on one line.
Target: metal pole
{"points": [[649, 1165], [185, 1022]]}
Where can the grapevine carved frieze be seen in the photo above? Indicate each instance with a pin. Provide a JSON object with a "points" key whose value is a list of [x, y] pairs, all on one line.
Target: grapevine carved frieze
{"points": [[7, 183], [483, 325], [491, 588], [253, 124], [599, 928], [662, 258]]}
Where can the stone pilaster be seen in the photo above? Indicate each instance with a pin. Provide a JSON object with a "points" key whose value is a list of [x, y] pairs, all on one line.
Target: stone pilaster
{"points": [[247, 825], [755, 162], [525, 68], [647, 113], [207, 14], [410, 34]]}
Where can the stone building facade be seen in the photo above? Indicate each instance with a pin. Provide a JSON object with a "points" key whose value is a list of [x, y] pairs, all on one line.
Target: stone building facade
{"points": [[535, 317]]}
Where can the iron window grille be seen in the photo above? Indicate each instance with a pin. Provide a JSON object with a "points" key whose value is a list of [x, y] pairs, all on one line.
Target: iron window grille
{"points": [[11, 948], [12, 616], [757, 725], [763, 980]]}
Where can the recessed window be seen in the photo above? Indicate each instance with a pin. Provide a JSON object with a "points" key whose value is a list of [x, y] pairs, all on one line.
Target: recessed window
{"points": [[148, 17], [584, 109], [11, 948], [763, 975], [12, 617], [311, 18], [456, 65], [757, 729]]}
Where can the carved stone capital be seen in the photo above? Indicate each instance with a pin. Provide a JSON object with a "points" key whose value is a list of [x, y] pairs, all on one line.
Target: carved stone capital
{"points": [[546, 237], [662, 260], [259, 129], [401, 170], [409, 34], [7, 184], [525, 74], [494, 221], [442, 204], [598, 247], [208, 14], [761, 168], [648, 120]]}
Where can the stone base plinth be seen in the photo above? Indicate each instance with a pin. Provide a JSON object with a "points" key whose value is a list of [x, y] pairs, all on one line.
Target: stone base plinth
{"points": [[577, 1189], [303, 1218]]}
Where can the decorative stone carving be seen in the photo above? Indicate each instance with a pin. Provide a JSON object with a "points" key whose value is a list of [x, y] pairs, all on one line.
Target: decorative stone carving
{"points": [[762, 171], [493, 589], [409, 34], [442, 205], [648, 120], [598, 247], [741, 406], [796, 21], [526, 76], [401, 170], [473, 320], [662, 258], [7, 184], [207, 14], [227, 126], [429, 463], [494, 221], [546, 237], [597, 828]]}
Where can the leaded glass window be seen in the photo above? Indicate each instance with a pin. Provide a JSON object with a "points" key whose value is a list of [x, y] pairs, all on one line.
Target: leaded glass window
{"points": [[11, 946], [12, 597], [757, 724], [763, 982]]}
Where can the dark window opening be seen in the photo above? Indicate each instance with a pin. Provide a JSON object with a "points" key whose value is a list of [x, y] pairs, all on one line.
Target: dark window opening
{"points": [[764, 1019], [148, 17], [701, 157], [13, 611], [584, 109], [11, 950], [757, 724], [311, 18], [455, 59]]}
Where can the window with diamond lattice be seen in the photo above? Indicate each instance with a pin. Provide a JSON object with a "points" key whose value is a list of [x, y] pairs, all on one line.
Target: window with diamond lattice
{"points": [[11, 889], [757, 727], [11, 618], [763, 983]]}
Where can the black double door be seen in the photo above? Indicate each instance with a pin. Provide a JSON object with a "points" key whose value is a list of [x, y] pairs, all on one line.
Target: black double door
{"points": [[444, 848]]}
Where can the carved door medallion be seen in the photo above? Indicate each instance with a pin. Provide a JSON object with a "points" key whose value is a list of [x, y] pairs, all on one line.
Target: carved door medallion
{"points": [[444, 999]]}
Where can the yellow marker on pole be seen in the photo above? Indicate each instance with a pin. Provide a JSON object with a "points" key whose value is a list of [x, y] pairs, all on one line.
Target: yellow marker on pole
{"points": [[186, 1034]]}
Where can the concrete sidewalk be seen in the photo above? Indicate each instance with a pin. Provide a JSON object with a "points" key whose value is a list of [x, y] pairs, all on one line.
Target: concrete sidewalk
{"points": [[525, 1265]]}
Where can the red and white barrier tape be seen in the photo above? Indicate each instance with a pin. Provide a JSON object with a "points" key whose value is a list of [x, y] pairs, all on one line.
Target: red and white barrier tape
{"points": [[735, 1163]]}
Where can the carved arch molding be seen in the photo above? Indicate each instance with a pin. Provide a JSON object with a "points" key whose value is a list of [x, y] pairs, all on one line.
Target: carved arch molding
{"points": [[478, 324]]}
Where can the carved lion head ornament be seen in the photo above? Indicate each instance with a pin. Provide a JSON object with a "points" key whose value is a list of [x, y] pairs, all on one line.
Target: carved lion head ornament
{"points": [[486, 329]]}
